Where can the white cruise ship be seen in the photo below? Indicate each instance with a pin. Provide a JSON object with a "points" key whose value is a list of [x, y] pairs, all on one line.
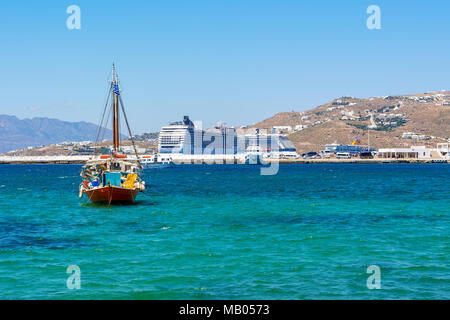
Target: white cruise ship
{"points": [[177, 137], [183, 138]]}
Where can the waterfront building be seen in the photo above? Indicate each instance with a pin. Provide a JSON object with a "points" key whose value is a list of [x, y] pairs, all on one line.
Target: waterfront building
{"points": [[443, 150], [354, 149], [414, 152], [332, 147]]}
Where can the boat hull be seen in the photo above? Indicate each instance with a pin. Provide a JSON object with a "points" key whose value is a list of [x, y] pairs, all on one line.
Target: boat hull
{"points": [[158, 165], [112, 195], [254, 159]]}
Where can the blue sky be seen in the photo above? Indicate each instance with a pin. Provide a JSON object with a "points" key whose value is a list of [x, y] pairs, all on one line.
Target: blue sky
{"points": [[235, 61]]}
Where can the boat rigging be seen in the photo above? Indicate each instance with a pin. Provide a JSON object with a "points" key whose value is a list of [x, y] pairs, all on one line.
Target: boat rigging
{"points": [[114, 177]]}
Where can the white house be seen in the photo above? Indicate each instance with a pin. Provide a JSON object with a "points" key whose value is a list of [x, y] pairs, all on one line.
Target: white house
{"points": [[300, 127], [414, 152], [281, 129]]}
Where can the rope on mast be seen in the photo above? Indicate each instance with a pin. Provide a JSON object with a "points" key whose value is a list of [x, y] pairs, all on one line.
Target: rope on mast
{"points": [[129, 131], [106, 124], [100, 127]]}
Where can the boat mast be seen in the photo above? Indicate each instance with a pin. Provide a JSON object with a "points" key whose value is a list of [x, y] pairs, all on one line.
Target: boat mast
{"points": [[117, 114], [115, 107], [117, 104]]}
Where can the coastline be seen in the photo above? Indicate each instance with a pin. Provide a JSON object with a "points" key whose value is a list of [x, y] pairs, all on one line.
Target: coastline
{"points": [[219, 160], [44, 160]]}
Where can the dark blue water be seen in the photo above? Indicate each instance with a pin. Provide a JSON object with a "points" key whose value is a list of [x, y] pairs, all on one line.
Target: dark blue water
{"points": [[226, 232]]}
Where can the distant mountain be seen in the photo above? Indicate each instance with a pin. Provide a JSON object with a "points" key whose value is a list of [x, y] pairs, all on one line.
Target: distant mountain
{"points": [[147, 136], [17, 134], [393, 121]]}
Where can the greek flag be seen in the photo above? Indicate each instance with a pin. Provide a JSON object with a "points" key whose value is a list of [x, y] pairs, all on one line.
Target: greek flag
{"points": [[116, 89]]}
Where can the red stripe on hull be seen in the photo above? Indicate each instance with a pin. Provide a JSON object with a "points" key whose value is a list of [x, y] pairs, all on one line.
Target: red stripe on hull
{"points": [[111, 194]]}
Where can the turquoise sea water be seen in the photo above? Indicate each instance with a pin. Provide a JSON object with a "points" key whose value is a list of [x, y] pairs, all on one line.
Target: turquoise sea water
{"points": [[225, 232]]}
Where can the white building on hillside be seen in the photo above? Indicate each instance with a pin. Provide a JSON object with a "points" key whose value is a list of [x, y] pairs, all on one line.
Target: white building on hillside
{"points": [[281, 129], [300, 127]]}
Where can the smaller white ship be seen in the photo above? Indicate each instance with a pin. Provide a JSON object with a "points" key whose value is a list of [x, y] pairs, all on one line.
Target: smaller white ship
{"points": [[254, 156], [156, 161]]}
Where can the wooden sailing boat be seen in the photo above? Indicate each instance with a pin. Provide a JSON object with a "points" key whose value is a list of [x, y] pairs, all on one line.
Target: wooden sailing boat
{"points": [[115, 177]]}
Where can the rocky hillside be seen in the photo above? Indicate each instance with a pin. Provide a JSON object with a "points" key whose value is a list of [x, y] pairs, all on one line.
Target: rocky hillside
{"points": [[393, 121], [17, 134]]}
